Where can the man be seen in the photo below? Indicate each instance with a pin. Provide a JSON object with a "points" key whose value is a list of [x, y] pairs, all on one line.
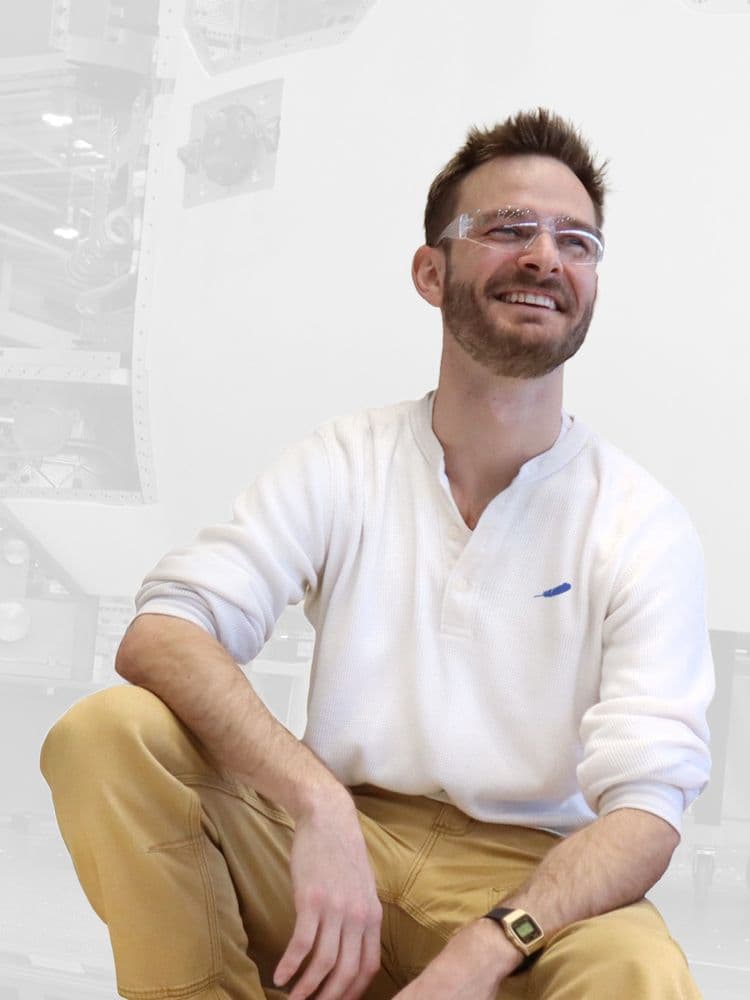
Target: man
{"points": [[509, 683]]}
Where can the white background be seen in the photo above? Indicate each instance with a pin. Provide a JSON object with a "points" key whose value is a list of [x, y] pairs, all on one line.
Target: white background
{"points": [[276, 310]]}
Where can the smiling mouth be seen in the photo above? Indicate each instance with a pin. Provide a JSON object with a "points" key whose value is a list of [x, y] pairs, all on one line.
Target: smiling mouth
{"points": [[529, 300], [525, 305]]}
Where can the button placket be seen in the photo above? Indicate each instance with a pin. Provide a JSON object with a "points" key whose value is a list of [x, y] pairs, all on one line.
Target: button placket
{"points": [[459, 597]]}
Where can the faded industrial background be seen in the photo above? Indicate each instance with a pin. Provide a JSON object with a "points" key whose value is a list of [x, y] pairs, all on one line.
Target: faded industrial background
{"points": [[208, 210]]}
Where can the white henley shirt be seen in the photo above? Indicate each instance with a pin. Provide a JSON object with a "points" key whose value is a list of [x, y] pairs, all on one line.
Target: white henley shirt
{"points": [[549, 666]]}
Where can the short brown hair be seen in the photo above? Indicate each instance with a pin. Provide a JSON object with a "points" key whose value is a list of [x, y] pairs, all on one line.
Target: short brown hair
{"points": [[539, 132]]}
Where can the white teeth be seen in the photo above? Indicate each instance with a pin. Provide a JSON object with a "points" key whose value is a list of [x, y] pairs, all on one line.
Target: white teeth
{"points": [[536, 300]]}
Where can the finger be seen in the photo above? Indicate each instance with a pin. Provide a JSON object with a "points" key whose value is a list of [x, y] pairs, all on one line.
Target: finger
{"points": [[369, 962], [347, 965], [324, 958], [299, 947]]}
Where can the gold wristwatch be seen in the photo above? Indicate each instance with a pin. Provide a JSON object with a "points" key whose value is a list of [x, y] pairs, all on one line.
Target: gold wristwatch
{"points": [[522, 931]]}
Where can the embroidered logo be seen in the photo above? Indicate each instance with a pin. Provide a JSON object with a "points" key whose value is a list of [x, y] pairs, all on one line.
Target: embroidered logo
{"points": [[560, 589]]}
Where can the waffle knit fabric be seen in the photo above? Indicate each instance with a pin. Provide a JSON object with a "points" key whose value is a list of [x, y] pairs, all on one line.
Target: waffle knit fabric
{"points": [[547, 667]]}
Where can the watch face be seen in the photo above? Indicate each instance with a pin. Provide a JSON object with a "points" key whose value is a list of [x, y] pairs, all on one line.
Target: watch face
{"points": [[526, 929]]}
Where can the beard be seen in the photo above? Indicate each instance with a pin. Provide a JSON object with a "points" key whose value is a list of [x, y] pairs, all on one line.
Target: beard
{"points": [[514, 349]]}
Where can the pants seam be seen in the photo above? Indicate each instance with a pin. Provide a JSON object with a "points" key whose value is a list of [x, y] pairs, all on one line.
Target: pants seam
{"points": [[213, 978], [420, 916], [171, 992], [424, 850], [199, 780], [213, 916]]}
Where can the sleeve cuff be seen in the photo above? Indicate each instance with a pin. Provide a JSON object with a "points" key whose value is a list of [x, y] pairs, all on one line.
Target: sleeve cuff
{"points": [[661, 800], [195, 614]]}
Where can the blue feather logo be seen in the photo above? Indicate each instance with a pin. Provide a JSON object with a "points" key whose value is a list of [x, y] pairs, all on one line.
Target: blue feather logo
{"points": [[560, 589]]}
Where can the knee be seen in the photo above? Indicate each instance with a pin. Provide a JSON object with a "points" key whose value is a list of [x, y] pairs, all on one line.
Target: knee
{"points": [[89, 733], [627, 947]]}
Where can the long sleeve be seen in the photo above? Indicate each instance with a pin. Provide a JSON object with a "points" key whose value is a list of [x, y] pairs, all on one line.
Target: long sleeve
{"points": [[646, 741], [577, 703], [236, 578]]}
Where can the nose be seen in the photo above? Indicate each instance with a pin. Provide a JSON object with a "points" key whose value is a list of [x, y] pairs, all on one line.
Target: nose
{"points": [[541, 254]]}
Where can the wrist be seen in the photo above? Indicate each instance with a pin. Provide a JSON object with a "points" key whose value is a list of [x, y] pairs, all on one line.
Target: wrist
{"points": [[504, 956], [318, 802], [521, 931]]}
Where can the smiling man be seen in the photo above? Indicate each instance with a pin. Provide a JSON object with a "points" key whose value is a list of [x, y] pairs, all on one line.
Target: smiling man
{"points": [[499, 396], [507, 709], [497, 337]]}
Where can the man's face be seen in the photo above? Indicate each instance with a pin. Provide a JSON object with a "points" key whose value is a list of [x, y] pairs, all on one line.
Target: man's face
{"points": [[518, 340]]}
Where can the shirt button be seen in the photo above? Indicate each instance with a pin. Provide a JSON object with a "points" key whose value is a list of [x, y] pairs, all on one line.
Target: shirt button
{"points": [[462, 583]]}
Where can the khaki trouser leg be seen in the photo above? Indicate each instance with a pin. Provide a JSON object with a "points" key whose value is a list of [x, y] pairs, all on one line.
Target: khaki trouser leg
{"points": [[188, 868], [173, 854], [127, 780], [458, 868], [190, 871], [621, 955]]}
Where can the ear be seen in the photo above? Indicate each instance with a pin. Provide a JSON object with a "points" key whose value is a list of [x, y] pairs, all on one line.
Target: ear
{"points": [[428, 274]]}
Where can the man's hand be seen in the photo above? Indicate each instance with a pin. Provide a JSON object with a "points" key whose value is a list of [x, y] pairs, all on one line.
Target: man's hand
{"points": [[338, 910], [470, 967]]}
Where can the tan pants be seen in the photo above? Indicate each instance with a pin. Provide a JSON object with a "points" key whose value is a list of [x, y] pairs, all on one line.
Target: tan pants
{"points": [[189, 870]]}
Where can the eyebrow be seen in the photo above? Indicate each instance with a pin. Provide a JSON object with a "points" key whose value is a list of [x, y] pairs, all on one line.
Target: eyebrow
{"points": [[577, 223], [510, 210]]}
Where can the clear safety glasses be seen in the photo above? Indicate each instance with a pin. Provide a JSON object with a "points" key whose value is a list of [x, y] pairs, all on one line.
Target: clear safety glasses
{"points": [[510, 230]]}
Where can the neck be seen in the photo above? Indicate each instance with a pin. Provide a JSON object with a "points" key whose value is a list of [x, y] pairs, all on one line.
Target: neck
{"points": [[490, 425]]}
